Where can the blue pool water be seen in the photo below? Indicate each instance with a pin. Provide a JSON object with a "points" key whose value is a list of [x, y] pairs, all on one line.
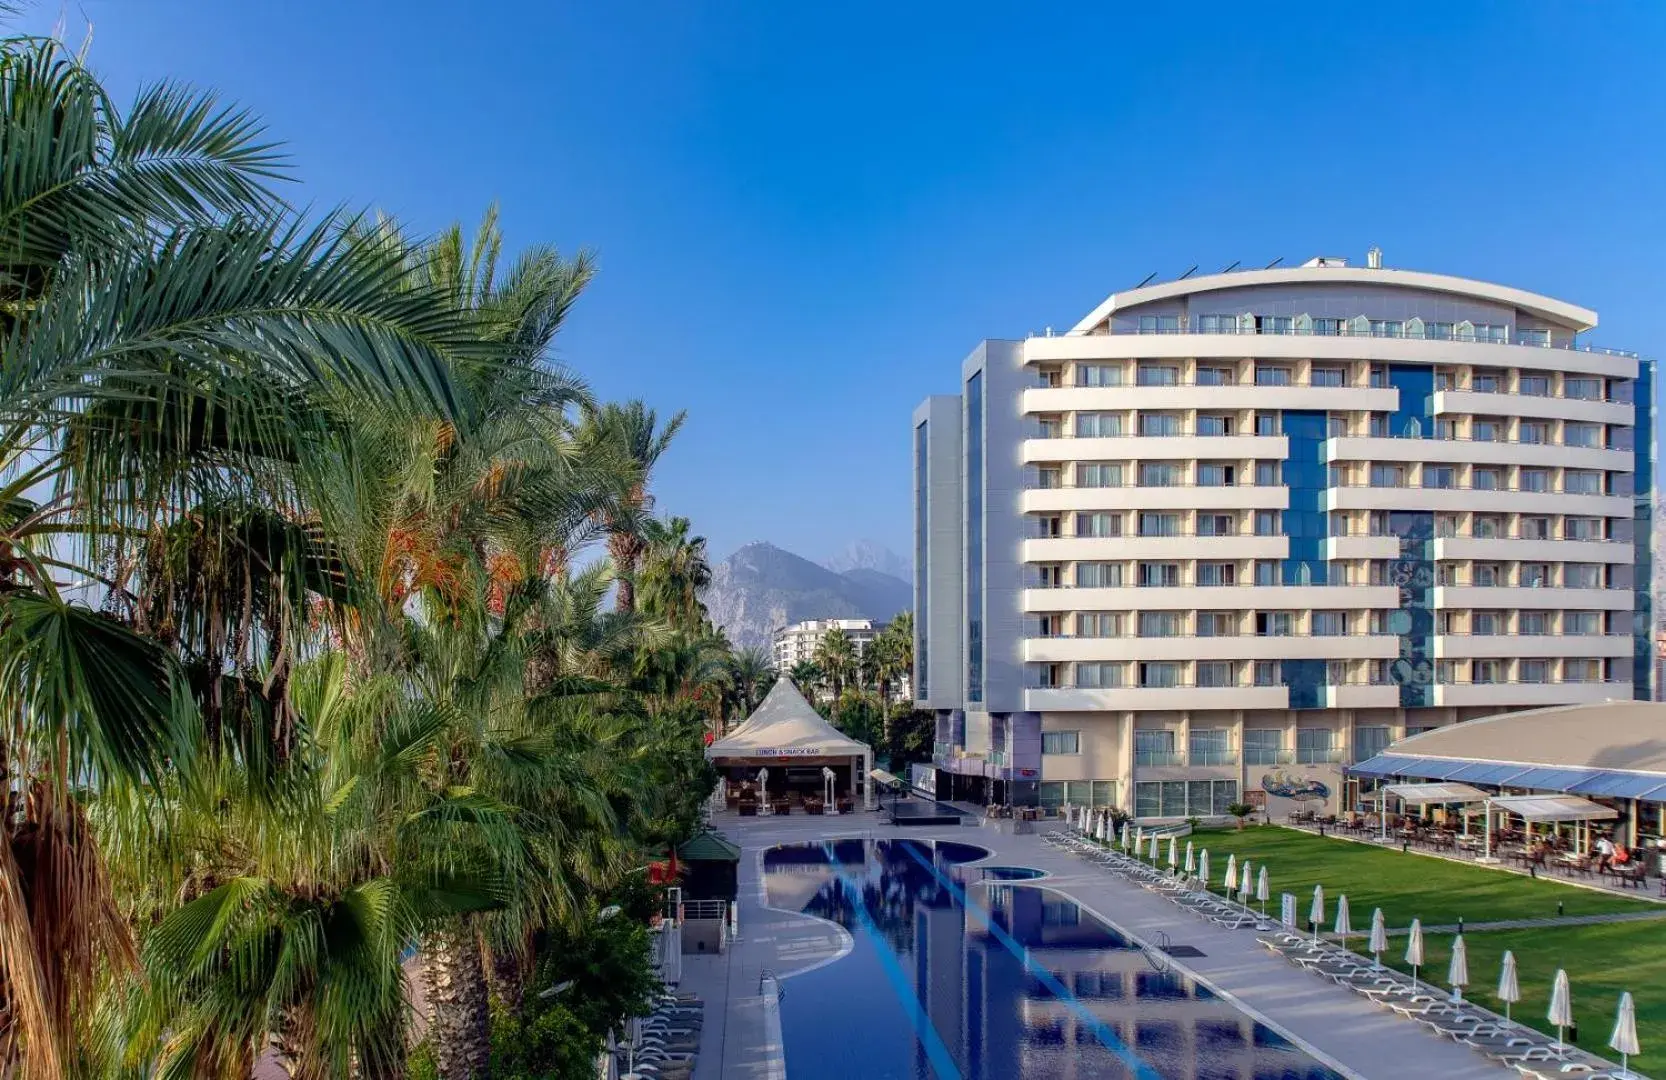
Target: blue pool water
{"points": [[963, 973]]}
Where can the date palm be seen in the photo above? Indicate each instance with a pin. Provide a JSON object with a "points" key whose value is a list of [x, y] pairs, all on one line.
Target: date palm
{"points": [[751, 674], [674, 572], [807, 676], [836, 658], [632, 434]]}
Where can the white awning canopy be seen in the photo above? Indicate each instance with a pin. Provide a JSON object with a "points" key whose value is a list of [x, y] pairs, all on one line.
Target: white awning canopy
{"points": [[785, 727], [1424, 794], [1555, 808]]}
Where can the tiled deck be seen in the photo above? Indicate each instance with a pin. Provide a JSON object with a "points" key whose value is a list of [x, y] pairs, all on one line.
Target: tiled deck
{"points": [[1347, 1032]]}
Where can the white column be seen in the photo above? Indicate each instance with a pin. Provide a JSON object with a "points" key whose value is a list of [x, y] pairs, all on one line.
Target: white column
{"points": [[867, 780]]}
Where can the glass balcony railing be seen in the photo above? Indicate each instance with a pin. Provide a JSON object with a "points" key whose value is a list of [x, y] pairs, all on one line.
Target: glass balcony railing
{"points": [[1528, 338], [1159, 757], [1213, 757], [1260, 755]]}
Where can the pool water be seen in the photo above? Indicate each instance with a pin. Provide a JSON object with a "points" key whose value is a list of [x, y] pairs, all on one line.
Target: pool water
{"points": [[963, 973]]}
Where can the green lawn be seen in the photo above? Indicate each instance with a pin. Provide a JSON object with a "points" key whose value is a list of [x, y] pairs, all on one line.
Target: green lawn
{"points": [[1601, 960]]}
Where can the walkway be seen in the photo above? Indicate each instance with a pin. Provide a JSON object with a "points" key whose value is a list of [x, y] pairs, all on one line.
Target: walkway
{"points": [[1348, 1033], [1522, 924]]}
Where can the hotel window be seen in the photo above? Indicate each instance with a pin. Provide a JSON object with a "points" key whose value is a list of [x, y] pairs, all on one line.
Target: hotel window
{"points": [[1535, 575], [1535, 528], [1217, 624], [1158, 375], [1061, 742], [1446, 573], [1533, 432], [1486, 479], [1267, 673], [1583, 389], [1379, 377], [1154, 746], [1534, 384], [1216, 425], [1581, 670], [1371, 740], [1099, 575], [1099, 624], [1266, 572], [1216, 673], [1273, 623], [1268, 473], [1329, 376], [1330, 624], [1487, 575], [1487, 527], [1161, 624], [1582, 528], [1486, 382], [1099, 525], [1313, 746], [1099, 474], [1378, 673], [1216, 376], [1210, 746], [1388, 476], [1582, 482], [1049, 478], [1272, 324], [1535, 480], [1217, 573], [1161, 474], [1159, 324], [1159, 424], [1098, 374], [1271, 376], [1217, 324], [1216, 525], [1386, 328], [1266, 423], [1446, 429], [1103, 675], [1446, 672], [1438, 331], [1486, 672], [1488, 430], [1336, 426], [1159, 524], [1098, 425], [1582, 575], [1159, 674], [1378, 426], [1586, 435], [1148, 799], [1581, 623], [1160, 575], [1439, 476], [1336, 673], [1446, 525], [1533, 671], [1216, 474], [1269, 522], [1533, 623], [1328, 327], [1263, 746], [1496, 333], [1056, 793], [1336, 475]]}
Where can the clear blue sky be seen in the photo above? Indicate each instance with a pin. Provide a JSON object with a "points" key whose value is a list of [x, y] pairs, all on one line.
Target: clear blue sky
{"points": [[806, 215]]}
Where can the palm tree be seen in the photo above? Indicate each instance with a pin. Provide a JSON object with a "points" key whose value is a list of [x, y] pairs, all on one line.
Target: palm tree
{"points": [[751, 674], [807, 676], [835, 656], [674, 573], [632, 433]]}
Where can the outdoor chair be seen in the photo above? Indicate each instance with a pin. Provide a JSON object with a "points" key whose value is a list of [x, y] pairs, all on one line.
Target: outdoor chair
{"points": [[1633, 874]]}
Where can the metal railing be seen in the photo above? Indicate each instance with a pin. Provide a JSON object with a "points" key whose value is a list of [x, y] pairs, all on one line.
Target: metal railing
{"points": [[1159, 757], [1526, 340]]}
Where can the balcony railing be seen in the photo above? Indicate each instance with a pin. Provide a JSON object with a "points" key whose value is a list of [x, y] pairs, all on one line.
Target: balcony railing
{"points": [[1531, 341], [1258, 755], [1318, 755], [1213, 757], [1159, 757]]}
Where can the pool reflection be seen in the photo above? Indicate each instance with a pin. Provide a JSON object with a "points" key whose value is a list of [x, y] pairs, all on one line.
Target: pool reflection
{"points": [[1034, 987]]}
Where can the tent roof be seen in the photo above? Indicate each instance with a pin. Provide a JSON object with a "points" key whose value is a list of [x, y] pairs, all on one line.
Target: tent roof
{"points": [[784, 725], [708, 846], [1436, 793], [1555, 808]]}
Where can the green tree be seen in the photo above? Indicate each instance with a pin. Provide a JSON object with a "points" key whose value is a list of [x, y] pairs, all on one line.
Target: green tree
{"points": [[835, 657], [632, 434], [674, 572], [807, 676]]}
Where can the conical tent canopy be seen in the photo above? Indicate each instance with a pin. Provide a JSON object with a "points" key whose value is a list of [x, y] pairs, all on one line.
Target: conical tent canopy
{"points": [[785, 726]]}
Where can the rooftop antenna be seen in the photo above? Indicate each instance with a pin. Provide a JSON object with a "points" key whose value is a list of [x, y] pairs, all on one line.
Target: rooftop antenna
{"points": [[1147, 280], [1188, 273], [1274, 263], [1234, 265]]}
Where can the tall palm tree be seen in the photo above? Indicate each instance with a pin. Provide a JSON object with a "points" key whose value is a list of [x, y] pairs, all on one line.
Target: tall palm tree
{"points": [[751, 674], [675, 571], [835, 656], [807, 676], [631, 432]]}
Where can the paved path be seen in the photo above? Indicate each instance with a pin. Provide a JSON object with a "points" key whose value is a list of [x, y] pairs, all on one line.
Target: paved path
{"points": [[1523, 924], [1354, 1037]]}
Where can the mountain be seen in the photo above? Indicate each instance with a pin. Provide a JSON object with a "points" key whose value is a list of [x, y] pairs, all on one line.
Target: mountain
{"points": [[870, 555], [761, 588]]}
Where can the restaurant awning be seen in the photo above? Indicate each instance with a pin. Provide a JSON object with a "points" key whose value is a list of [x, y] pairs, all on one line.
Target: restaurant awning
{"points": [[1424, 794], [1554, 808]]}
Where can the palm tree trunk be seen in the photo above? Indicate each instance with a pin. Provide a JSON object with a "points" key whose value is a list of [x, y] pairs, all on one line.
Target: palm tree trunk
{"points": [[459, 1024]]}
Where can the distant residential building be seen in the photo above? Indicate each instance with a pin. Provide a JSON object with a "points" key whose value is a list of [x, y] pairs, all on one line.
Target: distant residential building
{"points": [[797, 643]]}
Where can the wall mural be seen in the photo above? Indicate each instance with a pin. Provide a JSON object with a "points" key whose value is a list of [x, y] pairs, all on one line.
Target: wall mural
{"points": [[1285, 785]]}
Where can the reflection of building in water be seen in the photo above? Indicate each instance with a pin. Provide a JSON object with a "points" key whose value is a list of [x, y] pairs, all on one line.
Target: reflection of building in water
{"points": [[997, 1017]]}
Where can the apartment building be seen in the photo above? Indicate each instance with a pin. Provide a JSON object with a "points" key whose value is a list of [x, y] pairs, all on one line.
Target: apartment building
{"points": [[1231, 533], [798, 642]]}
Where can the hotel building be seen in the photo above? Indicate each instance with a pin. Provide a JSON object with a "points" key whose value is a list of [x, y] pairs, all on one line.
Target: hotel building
{"points": [[1230, 534]]}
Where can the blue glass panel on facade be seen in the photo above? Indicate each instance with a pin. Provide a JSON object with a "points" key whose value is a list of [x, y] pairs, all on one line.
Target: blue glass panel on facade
{"points": [[1306, 524], [1414, 568], [974, 537], [1642, 629], [922, 549]]}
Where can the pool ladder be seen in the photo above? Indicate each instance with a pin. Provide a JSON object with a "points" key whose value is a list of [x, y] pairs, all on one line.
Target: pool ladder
{"points": [[766, 975], [1157, 957]]}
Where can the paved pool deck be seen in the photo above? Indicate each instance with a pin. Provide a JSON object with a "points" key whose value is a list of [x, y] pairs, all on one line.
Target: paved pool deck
{"points": [[1342, 1029]]}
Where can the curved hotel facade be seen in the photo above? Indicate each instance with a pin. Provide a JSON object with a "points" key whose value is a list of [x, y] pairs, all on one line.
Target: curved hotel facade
{"points": [[1232, 533]]}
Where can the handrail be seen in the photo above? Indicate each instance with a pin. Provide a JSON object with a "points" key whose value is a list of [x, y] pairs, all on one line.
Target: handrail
{"points": [[1348, 332]]}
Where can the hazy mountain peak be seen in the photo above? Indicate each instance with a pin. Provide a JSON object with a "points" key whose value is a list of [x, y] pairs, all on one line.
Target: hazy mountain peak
{"points": [[870, 555], [762, 587]]}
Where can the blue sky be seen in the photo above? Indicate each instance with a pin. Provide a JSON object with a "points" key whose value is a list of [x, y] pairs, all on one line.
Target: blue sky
{"points": [[807, 214]]}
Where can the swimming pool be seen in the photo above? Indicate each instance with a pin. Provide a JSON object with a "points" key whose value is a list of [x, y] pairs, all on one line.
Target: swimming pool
{"points": [[962, 973]]}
